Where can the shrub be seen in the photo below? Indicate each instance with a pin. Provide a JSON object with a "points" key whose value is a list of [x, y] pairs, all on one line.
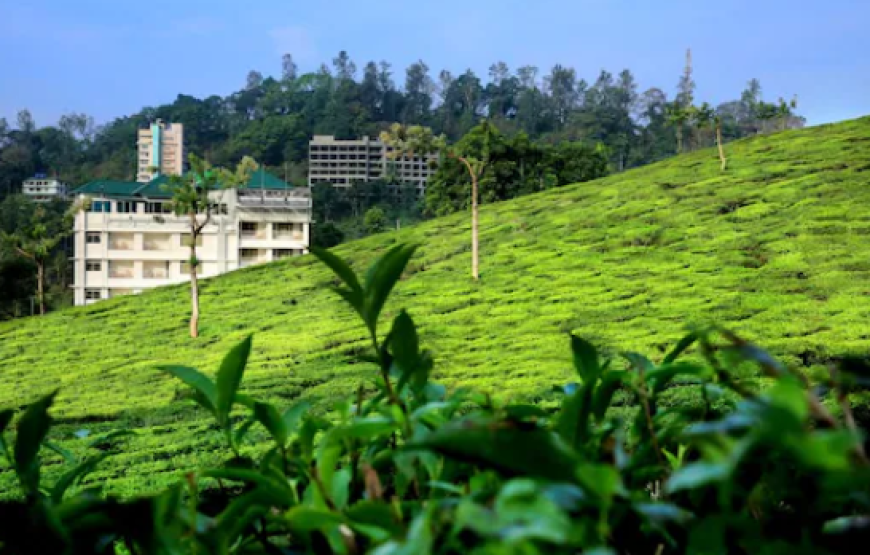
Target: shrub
{"points": [[700, 463]]}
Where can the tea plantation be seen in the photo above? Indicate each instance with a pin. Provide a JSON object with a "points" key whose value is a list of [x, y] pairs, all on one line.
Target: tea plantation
{"points": [[775, 248]]}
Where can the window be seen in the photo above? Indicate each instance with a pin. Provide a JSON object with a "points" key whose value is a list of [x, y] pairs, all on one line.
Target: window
{"points": [[93, 266], [158, 208], [93, 237], [249, 253], [125, 207], [185, 268], [284, 228], [93, 294], [100, 206], [285, 253], [186, 240], [249, 226]]}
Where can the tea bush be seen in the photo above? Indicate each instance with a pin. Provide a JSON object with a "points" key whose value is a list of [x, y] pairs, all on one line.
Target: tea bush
{"points": [[679, 456], [793, 277]]}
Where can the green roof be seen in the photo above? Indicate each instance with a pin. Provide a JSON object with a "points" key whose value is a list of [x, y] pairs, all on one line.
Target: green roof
{"points": [[260, 179]]}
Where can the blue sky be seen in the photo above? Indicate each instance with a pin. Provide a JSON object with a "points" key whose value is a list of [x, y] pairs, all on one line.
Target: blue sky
{"points": [[111, 57]]}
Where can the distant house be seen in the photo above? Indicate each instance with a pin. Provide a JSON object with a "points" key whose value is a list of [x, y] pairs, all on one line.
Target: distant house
{"points": [[160, 149], [128, 240], [41, 188]]}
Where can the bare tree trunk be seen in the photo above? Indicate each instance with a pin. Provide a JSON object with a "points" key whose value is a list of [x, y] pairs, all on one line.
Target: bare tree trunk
{"points": [[194, 284], [40, 285], [679, 139], [475, 256], [475, 253], [719, 144]]}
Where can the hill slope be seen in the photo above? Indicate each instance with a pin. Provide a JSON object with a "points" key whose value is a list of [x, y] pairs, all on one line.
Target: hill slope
{"points": [[776, 248]]}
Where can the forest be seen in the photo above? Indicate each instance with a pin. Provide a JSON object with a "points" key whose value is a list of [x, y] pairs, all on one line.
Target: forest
{"points": [[544, 129]]}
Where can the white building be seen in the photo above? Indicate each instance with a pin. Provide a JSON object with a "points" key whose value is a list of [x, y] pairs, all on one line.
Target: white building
{"points": [[129, 241], [343, 162], [40, 188], [160, 145]]}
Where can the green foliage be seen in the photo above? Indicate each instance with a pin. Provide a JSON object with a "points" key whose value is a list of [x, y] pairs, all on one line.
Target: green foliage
{"points": [[404, 466], [375, 220]]}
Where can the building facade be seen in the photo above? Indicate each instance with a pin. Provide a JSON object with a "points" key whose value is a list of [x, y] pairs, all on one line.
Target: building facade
{"points": [[160, 145], [128, 240], [343, 162], [41, 188]]}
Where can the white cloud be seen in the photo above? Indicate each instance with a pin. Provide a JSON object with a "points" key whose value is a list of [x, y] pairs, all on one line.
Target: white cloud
{"points": [[297, 41]]}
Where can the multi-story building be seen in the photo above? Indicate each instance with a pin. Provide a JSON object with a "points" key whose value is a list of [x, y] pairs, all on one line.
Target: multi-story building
{"points": [[41, 188], [128, 239], [161, 147], [343, 162]]}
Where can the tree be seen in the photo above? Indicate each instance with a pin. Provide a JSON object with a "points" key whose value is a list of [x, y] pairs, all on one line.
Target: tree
{"points": [[191, 198], [254, 80], [25, 122], [677, 117], [38, 237], [288, 68], [704, 117], [375, 220], [418, 140]]}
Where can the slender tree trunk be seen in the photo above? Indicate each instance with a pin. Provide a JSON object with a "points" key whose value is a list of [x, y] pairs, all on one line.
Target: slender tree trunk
{"points": [[194, 284], [475, 253], [679, 139], [40, 285], [475, 260], [719, 145]]}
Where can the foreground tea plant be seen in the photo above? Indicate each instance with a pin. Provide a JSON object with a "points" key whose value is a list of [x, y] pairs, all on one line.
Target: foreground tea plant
{"points": [[680, 456]]}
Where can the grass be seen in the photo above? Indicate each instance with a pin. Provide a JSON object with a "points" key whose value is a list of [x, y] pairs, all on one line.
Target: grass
{"points": [[775, 248]]}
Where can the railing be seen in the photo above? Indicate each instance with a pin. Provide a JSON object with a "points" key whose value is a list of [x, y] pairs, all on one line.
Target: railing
{"points": [[295, 235], [121, 273], [258, 234], [155, 273], [156, 246], [121, 245]]}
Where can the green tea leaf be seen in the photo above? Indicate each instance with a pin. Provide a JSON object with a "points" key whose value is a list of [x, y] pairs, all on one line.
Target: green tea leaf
{"points": [[504, 447], [307, 519], [585, 359], [340, 488], [74, 475], [341, 269], [680, 348], [610, 384], [382, 277], [696, 475], [5, 418], [293, 415], [229, 378], [33, 426], [207, 397], [268, 416]]}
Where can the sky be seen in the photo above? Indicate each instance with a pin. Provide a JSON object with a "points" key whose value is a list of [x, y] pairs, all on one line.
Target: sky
{"points": [[109, 58]]}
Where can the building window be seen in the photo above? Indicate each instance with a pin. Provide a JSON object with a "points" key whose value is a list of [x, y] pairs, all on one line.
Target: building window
{"points": [[158, 208], [249, 253], [125, 207], [249, 227], [93, 294], [93, 266], [93, 237], [100, 206], [186, 240], [278, 254]]}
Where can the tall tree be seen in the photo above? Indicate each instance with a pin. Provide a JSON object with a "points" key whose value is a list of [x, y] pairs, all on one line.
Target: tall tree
{"points": [[38, 238], [418, 94], [418, 140], [191, 198], [561, 85], [289, 70], [254, 80], [344, 67], [25, 121]]}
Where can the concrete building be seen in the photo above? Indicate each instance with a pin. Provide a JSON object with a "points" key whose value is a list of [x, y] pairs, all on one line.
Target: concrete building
{"points": [[342, 162], [160, 145], [41, 188], [128, 240]]}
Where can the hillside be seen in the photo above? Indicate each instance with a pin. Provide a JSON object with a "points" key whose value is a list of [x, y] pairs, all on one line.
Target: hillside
{"points": [[776, 248]]}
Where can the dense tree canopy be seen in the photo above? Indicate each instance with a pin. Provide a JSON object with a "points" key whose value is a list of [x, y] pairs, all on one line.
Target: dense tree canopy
{"points": [[272, 118]]}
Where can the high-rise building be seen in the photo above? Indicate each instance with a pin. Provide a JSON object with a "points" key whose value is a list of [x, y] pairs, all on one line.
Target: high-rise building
{"points": [[160, 146], [128, 240], [343, 162]]}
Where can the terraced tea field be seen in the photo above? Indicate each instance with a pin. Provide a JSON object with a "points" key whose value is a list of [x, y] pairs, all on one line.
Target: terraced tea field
{"points": [[776, 248]]}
